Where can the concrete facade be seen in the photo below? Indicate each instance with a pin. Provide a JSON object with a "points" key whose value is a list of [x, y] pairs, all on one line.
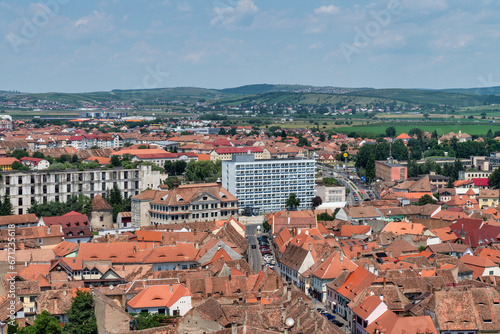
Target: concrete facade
{"points": [[27, 187], [266, 184]]}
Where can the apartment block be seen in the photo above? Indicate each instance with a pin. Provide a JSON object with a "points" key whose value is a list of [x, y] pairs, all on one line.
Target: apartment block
{"points": [[27, 187], [390, 171], [184, 204], [265, 185]]}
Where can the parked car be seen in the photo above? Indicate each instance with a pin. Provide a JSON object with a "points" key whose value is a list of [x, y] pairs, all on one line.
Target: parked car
{"points": [[336, 322]]}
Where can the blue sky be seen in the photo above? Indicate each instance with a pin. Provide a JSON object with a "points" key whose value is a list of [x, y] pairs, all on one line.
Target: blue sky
{"points": [[78, 46]]}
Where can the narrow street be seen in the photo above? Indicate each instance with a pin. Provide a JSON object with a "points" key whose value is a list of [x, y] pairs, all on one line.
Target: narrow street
{"points": [[254, 256]]}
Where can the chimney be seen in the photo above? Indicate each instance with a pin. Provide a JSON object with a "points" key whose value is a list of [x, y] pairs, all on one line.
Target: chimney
{"points": [[381, 296], [390, 254], [289, 294], [171, 288], [384, 282], [48, 229], [218, 247], [234, 328], [310, 247]]}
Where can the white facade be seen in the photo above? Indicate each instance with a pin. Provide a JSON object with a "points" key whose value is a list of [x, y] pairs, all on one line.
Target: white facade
{"points": [[27, 187], [331, 194], [267, 184], [180, 307]]}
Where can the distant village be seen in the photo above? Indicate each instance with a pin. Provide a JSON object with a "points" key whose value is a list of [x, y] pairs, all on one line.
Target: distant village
{"points": [[196, 227]]}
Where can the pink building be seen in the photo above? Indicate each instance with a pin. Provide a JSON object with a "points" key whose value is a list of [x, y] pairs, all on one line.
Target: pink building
{"points": [[390, 172]]}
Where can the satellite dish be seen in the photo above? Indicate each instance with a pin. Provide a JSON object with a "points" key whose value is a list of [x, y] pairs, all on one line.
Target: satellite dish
{"points": [[289, 322]]}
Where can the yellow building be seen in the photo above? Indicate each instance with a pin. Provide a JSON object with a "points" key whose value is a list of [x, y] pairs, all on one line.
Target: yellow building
{"points": [[488, 197], [6, 163]]}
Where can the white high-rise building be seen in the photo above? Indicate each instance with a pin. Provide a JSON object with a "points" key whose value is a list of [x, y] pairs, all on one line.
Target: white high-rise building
{"points": [[265, 185]]}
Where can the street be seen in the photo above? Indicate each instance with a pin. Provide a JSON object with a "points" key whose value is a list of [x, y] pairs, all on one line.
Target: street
{"points": [[358, 190], [254, 256]]}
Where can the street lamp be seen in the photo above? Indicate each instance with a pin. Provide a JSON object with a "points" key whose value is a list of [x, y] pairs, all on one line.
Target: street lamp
{"points": [[289, 324]]}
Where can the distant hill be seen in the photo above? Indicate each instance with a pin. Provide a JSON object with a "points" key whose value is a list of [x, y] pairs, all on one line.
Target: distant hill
{"points": [[429, 97], [477, 91], [280, 94], [267, 88]]}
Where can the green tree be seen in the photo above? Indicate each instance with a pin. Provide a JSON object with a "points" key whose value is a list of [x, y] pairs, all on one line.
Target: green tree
{"points": [[399, 150], [370, 170], [115, 161], [169, 167], [457, 167], [81, 316], [74, 159], [303, 142], [204, 170], [494, 179], [145, 320], [38, 155], [426, 199], [266, 226], [18, 154], [6, 208], [45, 323], [180, 167], [293, 201], [316, 201], [390, 132], [16, 165], [13, 327], [324, 216]]}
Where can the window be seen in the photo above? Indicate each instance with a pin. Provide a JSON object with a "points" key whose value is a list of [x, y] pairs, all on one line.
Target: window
{"points": [[20, 180], [101, 218], [20, 211], [68, 188], [20, 201], [20, 191]]}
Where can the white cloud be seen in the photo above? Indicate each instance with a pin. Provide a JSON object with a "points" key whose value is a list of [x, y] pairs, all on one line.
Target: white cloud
{"points": [[424, 6], [453, 42], [193, 57], [183, 7], [230, 15], [329, 10], [315, 46], [97, 22]]}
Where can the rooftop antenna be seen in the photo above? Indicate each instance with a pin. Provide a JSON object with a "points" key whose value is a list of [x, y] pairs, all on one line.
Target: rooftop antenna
{"points": [[390, 159]]}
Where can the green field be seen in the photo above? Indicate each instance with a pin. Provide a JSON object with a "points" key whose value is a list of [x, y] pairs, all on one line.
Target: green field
{"points": [[443, 128]]}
